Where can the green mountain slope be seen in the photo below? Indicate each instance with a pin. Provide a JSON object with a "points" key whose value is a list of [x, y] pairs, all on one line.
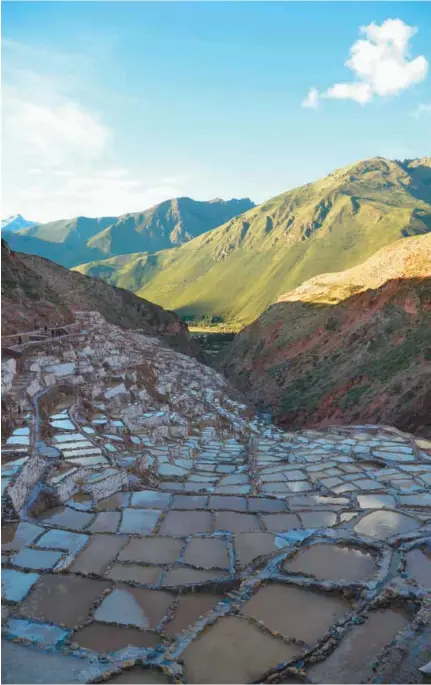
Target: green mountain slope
{"points": [[174, 222], [240, 268]]}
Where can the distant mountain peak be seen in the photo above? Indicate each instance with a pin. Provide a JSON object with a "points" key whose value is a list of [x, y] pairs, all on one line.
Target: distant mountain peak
{"points": [[219, 200], [11, 218], [15, 222]]}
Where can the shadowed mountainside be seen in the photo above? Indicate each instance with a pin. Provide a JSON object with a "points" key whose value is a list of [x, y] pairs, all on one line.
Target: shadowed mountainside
{"points": [[237, 270], [174, 222], [359, 352], [37, 290]]}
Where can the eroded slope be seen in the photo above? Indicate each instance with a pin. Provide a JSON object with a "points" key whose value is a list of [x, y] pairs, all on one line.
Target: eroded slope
{"points": [[323, 355], [35, 291]]}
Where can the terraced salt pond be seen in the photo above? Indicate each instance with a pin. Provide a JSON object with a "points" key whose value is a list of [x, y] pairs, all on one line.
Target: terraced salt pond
{"points": [[195, 543]]}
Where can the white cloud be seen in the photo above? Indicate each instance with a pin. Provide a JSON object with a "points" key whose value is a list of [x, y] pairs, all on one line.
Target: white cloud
{"points": [[60, 158], [57, 158], [110, 192], [312, 99], [51, 134], [423, 108], [359, 92], [380, 63]]}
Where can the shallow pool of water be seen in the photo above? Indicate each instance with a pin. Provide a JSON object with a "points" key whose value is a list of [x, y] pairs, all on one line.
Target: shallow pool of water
{"points": [[110, 447], [69, 437], [18, 440], [21, 431], [88, 461], [65, 425]]}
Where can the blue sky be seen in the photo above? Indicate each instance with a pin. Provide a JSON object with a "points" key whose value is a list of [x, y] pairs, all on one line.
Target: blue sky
{"points": [[110, 107]]}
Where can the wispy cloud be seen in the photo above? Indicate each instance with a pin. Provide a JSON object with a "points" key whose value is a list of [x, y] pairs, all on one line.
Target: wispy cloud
{"points": [[423, 109], [59, 153], [107, 192], [312, 99], [51, 134], [380, 64]]}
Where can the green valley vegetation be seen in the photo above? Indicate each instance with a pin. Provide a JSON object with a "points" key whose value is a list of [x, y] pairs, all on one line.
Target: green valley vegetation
{"points": [[70, 242], [238, 269]]}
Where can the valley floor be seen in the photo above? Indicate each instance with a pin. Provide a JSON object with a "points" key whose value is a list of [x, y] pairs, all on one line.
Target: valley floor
{"points": [[212, 343], [156, 530]]}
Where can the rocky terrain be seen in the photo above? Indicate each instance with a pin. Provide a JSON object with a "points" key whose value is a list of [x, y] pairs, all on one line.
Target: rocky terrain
{"points": [[239, 269], [344, 348], [70, 242], [38, 292], [27, 297], [155, 530]]}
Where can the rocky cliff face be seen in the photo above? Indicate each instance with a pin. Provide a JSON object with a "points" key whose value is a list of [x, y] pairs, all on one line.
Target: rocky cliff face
{"points": [[37, 291], [346, 348]]}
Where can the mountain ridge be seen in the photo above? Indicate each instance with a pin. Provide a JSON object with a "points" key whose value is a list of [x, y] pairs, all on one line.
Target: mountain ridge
{"points": [[70, 242], [333, 223]]}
